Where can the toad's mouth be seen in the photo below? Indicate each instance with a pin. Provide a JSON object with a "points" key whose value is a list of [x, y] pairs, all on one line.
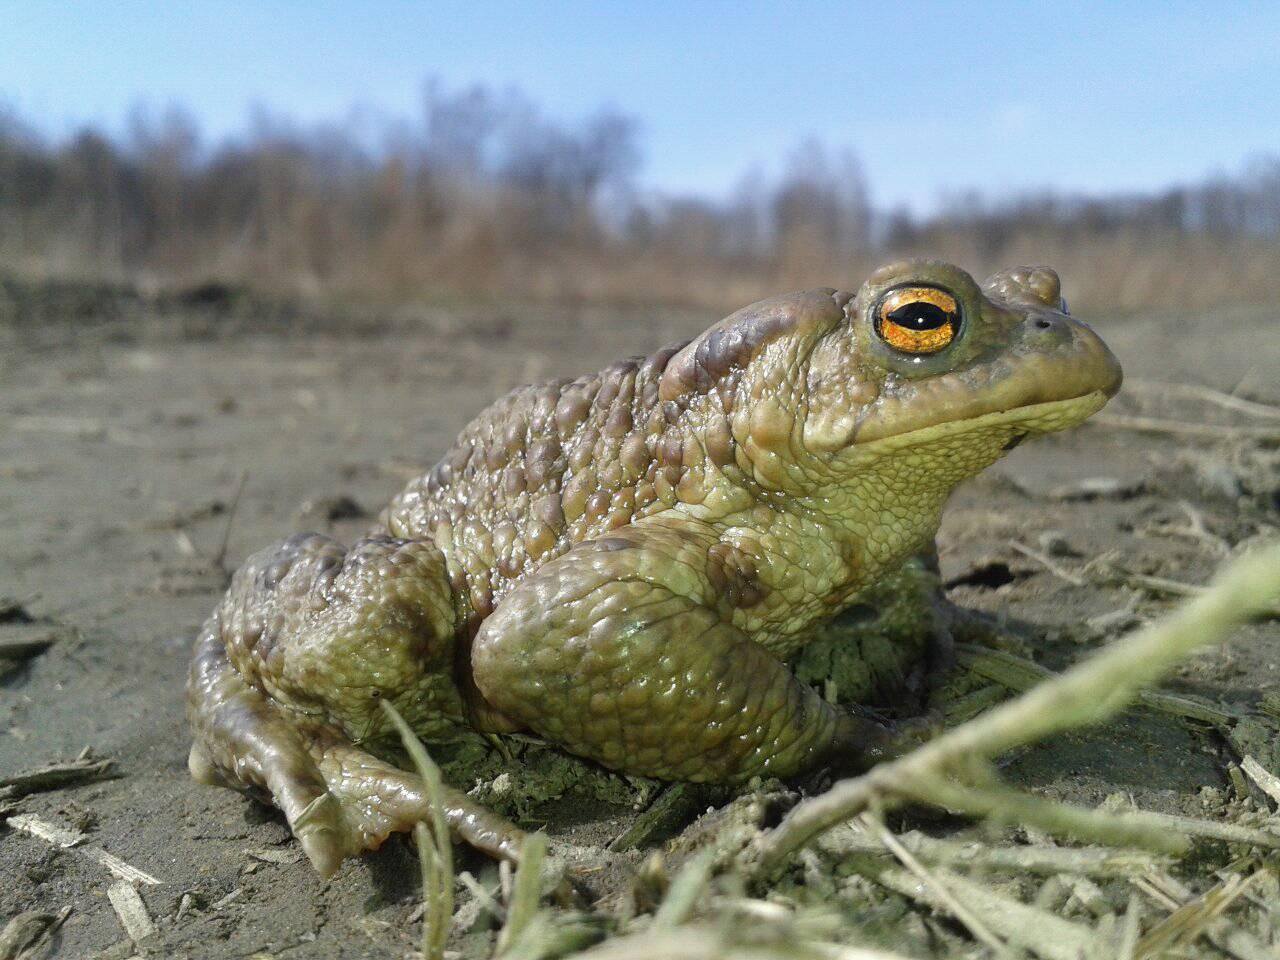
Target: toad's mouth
{"points": [[991, 434]]}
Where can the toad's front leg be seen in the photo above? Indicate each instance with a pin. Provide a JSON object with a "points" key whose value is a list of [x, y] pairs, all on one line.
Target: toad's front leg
{"points": [[617, 651]]}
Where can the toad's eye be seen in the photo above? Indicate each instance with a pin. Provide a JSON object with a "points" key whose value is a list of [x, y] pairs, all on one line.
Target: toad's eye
{"points": [[917, 319]]}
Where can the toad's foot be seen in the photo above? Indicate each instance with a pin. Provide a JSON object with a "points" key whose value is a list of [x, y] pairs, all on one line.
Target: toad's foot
{"points": [[339, 800]]}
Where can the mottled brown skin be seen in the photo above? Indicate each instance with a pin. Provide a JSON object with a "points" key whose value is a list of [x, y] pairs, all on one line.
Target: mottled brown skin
{"points": [[623, 563]]}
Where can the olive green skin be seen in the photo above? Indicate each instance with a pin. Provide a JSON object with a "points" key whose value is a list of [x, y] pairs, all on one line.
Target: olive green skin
{"points": [[623, 563]]}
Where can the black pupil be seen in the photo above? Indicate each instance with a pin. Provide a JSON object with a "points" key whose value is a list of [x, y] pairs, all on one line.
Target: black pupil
{"points": [[920, 315]]}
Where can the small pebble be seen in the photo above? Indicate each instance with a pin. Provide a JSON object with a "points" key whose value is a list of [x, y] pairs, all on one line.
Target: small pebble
{"points": [[1055, 544]]}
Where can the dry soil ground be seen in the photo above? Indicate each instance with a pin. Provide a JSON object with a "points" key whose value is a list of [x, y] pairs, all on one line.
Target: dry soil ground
{"points": [[124, 434]]}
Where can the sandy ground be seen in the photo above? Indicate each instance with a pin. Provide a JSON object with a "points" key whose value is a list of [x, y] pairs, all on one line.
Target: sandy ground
{"points": [[122, 445]]}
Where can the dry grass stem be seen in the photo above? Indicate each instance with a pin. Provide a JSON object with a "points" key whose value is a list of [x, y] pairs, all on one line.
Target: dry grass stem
{"points": [[1187, 922], [1040, 859], [55, 776], [958, 910], [1004, 805], [1195, 391], [220, 558], [525, 891], [1175, 890], [226, 901], [483, 897], [437, 906], [69, 839], [678, 905], [82, 428], [1020, 674], [1056, 569], [1145, 885], [1267, 781], [1130, 929], [1215, 830], [1195, 530], [964, 708], [1024, 926], [1176, 588], [131, 910], [705, 941], [435, 849], [1163, 585], [1119, 421]]}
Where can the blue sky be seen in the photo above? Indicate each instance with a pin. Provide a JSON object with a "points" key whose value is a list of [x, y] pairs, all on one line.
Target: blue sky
{"points": [[932, 96]]}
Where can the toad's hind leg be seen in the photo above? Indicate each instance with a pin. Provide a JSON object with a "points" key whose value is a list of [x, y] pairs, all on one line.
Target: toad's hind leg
{"points": [[339, 800], [288, 613], [624, 650]]}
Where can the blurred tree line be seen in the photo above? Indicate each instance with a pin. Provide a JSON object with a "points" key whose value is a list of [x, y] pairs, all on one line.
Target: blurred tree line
{"points": [[485, 195]]}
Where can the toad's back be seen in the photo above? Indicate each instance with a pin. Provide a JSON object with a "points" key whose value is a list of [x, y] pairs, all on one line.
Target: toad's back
{"points": [[546, 466]]}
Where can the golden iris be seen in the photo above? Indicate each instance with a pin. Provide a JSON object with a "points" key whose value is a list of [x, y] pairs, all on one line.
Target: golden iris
{"points": [[918, 319]]}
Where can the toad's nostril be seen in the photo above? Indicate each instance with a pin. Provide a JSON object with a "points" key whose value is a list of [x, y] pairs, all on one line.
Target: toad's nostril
{"points": [[1043, 323]]}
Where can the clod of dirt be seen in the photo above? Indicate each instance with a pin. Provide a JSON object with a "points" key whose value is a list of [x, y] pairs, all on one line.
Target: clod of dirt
{"points": [[11, 611], [989, 575], [22, 636], [1258, 736], [211, 295], [330, 509], [30, 935], [1219, 479], [1097, 488]]}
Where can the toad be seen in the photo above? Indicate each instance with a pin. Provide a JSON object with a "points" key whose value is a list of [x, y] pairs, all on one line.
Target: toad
{"points": [[623, 564]]}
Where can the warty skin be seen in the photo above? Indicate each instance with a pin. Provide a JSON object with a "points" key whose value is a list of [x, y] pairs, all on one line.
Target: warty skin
{"points": [[623, 563]]}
